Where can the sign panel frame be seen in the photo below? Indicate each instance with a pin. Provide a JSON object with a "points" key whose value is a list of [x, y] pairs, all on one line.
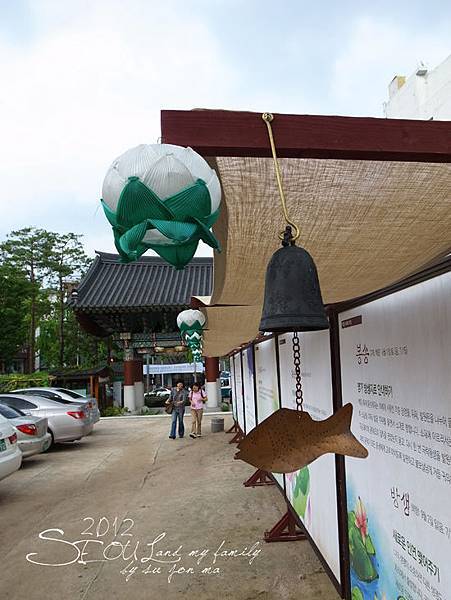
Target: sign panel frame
{"points": [[392, 386], [435, 269]]}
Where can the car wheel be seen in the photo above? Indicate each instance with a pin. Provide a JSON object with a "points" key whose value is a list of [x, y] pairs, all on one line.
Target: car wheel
{"points": [[52, 439]]}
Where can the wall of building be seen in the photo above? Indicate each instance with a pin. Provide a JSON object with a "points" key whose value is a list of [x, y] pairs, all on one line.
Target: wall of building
{"points": [[426, 94]]}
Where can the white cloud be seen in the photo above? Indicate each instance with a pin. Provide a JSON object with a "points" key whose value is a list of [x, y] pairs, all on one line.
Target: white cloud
{"points": [[89, 86], [90, 79]]}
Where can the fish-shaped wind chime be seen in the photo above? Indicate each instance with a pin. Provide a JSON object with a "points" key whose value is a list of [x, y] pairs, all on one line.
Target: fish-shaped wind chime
{"points": [[290, 439]]}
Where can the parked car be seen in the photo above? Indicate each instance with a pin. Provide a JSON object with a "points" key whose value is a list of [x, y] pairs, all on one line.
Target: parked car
{"points": [[10, 453], [32, 434], [157, 397], [226, 390], [59, 394], [66, 422]]}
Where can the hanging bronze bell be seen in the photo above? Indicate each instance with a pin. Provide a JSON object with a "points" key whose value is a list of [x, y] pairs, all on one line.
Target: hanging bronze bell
{"points": [[293, 299]]}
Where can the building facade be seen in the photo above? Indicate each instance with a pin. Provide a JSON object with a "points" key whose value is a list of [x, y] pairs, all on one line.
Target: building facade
{"points": [[138, 303], [426, 94]]}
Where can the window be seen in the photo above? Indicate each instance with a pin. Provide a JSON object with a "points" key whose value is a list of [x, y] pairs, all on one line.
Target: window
{"points": [[53, 396], [9, 413], [71, 393], [42, 393], [15, 402]]}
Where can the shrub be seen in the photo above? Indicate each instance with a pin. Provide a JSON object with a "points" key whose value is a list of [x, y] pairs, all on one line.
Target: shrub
{"points": [[113, 411], [225, 407]]}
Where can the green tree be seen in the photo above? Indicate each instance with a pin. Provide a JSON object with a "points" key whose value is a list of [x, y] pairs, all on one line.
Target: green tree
{"points": [[14, 290], [67, 262], [28, 251]]}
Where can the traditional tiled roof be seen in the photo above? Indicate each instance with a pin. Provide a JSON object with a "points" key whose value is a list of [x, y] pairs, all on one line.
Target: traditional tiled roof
{"points": [[148, 282]]}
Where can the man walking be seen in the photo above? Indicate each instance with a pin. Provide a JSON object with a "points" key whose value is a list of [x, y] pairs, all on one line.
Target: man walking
{"points": [[179, 399]]}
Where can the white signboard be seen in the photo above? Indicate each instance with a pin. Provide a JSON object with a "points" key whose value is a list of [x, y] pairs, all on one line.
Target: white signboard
{"points": [[173, 368], [233, 385], [267, 386], [266, 379], [249, 396], [239, 391], [312, 491], [396, 371]]}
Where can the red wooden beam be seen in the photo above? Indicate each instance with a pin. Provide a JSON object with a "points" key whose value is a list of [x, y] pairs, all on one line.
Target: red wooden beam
{"points": [[230, 133]]}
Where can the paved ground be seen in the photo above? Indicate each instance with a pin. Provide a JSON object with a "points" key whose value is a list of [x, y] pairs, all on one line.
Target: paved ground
{"points": [[139, 498]]}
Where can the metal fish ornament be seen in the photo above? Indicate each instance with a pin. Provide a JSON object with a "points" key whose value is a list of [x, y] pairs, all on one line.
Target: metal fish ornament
{"points": [[290, 439]]}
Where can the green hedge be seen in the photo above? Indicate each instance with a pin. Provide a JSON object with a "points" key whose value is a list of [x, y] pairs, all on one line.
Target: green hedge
{"points": [[113, 411], [9, 383]]}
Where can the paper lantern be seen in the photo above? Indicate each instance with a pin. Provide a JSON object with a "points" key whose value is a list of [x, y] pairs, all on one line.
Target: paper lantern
{"points": [[191, 321], [161, 197]]}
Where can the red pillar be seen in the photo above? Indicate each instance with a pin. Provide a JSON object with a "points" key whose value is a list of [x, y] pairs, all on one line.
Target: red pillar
{"points": [[138, 384], [129, 379]]}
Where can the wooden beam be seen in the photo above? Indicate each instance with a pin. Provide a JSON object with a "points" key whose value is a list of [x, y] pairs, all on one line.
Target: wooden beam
{"points": [[230, 133]]}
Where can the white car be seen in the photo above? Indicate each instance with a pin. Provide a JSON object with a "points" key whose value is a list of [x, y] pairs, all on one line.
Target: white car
{"points": [[10, 454], [62, 394]]}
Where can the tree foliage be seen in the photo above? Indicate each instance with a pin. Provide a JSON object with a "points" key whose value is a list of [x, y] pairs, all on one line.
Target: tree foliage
{"points": [[14, 293], [38, 270], [27, 251], [67, 262]]}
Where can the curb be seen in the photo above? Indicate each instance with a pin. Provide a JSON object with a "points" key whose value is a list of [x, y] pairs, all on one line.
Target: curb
{"points": [[157, 416]]}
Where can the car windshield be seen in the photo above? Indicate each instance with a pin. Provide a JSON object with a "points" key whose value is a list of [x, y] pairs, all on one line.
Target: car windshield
{"points": [[10, 413], [71, 393]]}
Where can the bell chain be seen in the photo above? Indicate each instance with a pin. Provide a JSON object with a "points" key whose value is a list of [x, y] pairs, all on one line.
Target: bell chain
{"points": [[297, 370]]}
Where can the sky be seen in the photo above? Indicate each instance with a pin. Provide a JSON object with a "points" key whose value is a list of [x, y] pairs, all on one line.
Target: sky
{"points": [[83, 81]]}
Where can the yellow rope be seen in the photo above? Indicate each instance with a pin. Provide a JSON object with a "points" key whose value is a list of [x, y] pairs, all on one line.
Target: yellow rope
{"points": [[267, 118]]}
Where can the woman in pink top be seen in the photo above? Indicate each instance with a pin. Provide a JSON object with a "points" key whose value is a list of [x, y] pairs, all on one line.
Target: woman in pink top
{"points": [[197, 398]]}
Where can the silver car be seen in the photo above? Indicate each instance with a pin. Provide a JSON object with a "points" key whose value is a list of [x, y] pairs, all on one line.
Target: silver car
{"points": [[10, 454], [32, 434], [59, 394], [66, 422]]}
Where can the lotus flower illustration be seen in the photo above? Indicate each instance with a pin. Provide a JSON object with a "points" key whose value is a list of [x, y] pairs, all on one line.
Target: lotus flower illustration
{"points": [[361, 548], [361, 519]]}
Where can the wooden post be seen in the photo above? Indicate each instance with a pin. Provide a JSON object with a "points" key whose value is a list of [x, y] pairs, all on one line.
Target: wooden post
{"points": [[129, 379], [212, 381]]}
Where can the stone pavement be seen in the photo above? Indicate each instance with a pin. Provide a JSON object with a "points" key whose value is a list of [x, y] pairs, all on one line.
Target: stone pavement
{"points": [[133, 514]]}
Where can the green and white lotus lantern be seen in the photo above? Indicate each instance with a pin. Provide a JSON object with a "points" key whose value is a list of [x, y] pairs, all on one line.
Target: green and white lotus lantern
{"points": [[191, 323], [197, 356], [161, 197]]}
